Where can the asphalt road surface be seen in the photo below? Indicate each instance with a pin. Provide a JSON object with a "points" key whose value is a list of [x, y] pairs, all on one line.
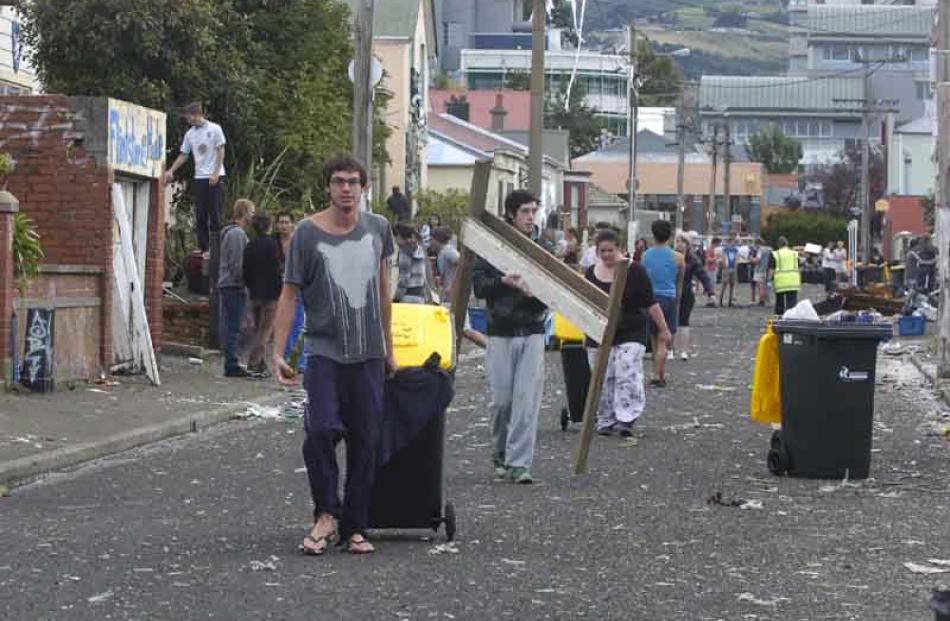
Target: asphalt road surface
{"points": [[207, 527]]}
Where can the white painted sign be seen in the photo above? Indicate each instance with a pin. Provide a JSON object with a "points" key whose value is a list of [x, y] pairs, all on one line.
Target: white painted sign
{"points": [[137, 138]]}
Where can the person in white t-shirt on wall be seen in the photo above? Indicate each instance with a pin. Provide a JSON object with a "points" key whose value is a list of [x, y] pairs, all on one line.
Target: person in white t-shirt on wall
{"points": [[205, 142]]}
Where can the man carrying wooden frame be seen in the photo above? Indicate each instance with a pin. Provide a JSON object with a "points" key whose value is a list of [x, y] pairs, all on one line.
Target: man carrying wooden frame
{"points": [[560, 288], [514, 358]]}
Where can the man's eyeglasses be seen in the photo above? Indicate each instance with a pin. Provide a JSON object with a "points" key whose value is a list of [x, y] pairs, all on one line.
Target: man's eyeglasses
{"points": [[339, 182]]}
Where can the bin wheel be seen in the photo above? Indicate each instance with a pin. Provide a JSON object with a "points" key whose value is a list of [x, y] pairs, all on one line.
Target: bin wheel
{"points": [[776, 440], [565, 419], [778, 460], [449, 519]]}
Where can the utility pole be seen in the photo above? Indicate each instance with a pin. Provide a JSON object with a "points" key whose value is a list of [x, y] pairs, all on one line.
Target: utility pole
{"points": [[681, 137], [711, 207], [866, 109], [942, 219], [633, 100], [535, 142], [363, 84], [727, 172], [866, 166]]}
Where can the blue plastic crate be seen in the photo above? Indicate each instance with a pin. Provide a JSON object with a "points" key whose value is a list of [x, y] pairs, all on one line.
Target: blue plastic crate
{"points": [[912, 325], [478, 319]]}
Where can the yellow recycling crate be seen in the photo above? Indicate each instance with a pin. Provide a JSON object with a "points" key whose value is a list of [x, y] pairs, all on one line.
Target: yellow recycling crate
{"points": [[418, 331], [766, 403], [566, 332]]}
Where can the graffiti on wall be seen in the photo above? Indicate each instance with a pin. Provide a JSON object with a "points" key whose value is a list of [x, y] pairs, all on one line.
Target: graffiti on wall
{"points": [[136, 139], [37, 373]]}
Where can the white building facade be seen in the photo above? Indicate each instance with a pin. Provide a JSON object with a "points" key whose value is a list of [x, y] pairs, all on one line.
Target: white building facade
{"points": [[16, 75]]}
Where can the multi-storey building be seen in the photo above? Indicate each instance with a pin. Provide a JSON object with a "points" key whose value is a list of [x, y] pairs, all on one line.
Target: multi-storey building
{"points": [[890, 42], [602, 76]]}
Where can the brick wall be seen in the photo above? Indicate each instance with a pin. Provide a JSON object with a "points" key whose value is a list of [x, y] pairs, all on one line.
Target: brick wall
{"points": [[67, 192], [155, 263], [61, 188], [186, 323]]}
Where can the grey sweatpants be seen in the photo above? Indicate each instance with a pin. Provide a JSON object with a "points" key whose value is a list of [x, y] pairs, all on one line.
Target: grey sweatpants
{"points": [[516, 378]]}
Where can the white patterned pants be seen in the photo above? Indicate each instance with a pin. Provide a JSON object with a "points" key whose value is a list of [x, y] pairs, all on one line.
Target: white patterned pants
{"points": [[623, 397]]}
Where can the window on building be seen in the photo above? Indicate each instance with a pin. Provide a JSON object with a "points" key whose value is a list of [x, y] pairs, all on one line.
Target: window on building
{"points": [[925, 90], [919, 54], [837, 52], [803, 128]]}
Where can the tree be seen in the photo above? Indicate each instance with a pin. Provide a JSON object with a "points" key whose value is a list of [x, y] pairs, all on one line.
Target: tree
{"points": [[802, 227], [579, 119], [451, 206], [841, 181], [159, 54], [518, 80], [776, 151], [662, 78], [272, 73]]}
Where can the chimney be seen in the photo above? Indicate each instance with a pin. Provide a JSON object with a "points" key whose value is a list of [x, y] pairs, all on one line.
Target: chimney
{"points": [[498, 113], [458, 107]]}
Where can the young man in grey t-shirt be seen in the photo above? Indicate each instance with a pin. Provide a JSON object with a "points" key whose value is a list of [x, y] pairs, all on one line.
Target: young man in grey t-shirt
{"points": [[339, 263]]}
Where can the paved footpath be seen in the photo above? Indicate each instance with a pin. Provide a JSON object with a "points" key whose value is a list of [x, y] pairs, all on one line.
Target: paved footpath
{"points": [[173, 531]]}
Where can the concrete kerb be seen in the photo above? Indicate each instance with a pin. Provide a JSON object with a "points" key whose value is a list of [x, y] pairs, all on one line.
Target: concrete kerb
{"points": [[18, 470], [940, 387]]}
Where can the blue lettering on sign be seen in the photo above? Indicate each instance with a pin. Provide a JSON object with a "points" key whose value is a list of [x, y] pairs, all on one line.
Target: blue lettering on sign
{"points": [[133, 145]]}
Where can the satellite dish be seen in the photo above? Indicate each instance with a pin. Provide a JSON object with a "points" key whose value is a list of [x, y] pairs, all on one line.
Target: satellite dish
{"points": [[376, 71]]}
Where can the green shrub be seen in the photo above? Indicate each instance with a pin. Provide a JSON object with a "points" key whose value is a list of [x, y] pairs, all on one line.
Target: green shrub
{"points": [[27, 250], [451, 206], [800, 228]]}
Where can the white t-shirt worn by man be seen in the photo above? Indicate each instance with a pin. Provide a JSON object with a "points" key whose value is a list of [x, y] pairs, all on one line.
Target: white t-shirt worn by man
{"points": [[202, 142]]}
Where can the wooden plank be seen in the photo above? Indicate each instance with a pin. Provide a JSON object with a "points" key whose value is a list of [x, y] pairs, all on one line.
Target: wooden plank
{"points": [[56, 268], [544, 284], [142, 193], [600, 365], [121, 301], [142, 349], [566, 276], [462, 287], [28, 303]]}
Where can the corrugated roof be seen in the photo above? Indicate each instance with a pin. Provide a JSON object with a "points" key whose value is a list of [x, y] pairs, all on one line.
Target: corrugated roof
{"points": [[878, 20], [777, 93], [922, 125], [392, 18], [471, 135]]}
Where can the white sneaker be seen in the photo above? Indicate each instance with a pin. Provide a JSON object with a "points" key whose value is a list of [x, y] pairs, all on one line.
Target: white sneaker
{"points": [[670, 355], [684, 356]]}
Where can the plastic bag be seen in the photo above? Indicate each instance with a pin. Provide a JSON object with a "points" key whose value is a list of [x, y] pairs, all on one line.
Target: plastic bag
{"points": [[766, 404], [804, 310]]}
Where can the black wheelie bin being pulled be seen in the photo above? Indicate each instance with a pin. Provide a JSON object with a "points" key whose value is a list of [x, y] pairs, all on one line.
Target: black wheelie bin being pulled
{"points": [[828, 372], [410, 463]]}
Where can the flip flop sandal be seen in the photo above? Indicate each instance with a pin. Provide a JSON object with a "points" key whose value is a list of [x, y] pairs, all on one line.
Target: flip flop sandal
{"points": [[318, 545], [352, 549]]}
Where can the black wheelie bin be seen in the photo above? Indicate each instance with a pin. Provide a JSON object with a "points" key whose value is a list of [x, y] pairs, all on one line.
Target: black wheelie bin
{"points": [[576, 368], [827, 372], [408, 491]]}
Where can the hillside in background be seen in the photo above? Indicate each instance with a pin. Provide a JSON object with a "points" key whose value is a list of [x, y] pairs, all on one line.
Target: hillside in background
{"points": [[735, 37]]}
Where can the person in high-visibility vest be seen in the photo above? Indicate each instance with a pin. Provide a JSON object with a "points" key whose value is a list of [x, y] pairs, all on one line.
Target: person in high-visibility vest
{"points": [[786, 276]]}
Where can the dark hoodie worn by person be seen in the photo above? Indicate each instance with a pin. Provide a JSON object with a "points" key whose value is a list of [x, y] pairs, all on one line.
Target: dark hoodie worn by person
{"points": [[510, 312]]}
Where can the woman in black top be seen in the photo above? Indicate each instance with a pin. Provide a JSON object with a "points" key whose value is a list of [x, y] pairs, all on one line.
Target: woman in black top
{"points": [[623, 398], [694, 269]]}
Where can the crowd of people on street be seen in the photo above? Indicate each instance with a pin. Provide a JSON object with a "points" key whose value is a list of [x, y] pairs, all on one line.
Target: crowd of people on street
{"points": [[317, 297]]}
